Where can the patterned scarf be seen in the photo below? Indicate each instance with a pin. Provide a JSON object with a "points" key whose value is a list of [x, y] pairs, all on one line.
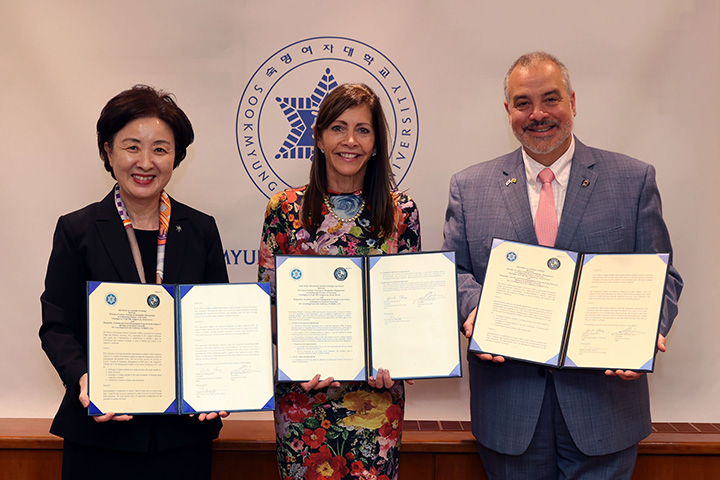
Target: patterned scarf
{"points": [[164, 213]]}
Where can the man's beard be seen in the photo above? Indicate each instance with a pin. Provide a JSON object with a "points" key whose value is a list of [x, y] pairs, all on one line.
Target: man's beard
{"points": [[540, 146]]}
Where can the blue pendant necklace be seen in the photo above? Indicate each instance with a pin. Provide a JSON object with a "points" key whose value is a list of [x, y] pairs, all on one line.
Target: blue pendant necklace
{"points": [[344, 208]]}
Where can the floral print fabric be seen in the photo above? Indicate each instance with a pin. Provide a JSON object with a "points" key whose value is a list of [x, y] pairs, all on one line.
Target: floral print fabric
{"points": [[347, 432], [283, 232], [352, 431]]}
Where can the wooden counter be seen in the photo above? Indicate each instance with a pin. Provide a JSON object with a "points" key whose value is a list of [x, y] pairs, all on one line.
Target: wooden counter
{"points": [[431, 450]]}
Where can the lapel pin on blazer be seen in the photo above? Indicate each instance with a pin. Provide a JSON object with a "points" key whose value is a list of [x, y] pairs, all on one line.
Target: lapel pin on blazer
{"points": [[178, 228], [512, 180], [585, 182]]}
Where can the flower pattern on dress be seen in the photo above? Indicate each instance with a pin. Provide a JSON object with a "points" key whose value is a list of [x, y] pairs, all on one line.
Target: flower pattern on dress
{"points": [[369, 408], [350, 432], [353, 432], [282, 236], [322, 465]]}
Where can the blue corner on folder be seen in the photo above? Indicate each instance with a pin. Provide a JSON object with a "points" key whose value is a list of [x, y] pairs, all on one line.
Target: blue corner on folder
{"points": [[554, 360], [170, 289], [588, 257], [648, 365], [187, 408], [270, 405], [474, 346], [361, 376], [91, 286], [172, 408], [282, 377], [457, 372], [568, 362], [93, 410]]}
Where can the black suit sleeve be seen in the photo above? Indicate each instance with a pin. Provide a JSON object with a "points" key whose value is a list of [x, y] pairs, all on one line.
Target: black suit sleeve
{"points": [[63, 333]]}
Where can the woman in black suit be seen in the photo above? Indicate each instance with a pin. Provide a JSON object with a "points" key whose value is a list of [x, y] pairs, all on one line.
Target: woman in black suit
{"points": [[137, 233]]}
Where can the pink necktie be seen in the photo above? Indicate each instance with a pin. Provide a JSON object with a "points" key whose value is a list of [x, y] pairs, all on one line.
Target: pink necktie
{"points": [[546, 225]]}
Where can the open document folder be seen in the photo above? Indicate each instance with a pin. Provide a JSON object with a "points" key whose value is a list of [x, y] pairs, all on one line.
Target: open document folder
{"points": [[179, 348]]}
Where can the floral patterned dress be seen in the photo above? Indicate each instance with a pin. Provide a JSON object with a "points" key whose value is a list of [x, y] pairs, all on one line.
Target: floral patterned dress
{"points": [[352, 431]]}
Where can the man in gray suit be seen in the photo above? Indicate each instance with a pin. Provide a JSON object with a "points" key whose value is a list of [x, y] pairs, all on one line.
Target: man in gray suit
{"points": [[533, 422]]}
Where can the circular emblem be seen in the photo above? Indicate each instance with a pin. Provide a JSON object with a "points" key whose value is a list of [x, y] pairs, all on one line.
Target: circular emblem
{"points": [[111, 299], [296, 274], [340, 274], [553, 263], [511, 256], [280, 102], [153, 301]]}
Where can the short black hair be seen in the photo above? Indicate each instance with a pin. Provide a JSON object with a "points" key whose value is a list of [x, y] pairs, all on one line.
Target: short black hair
{"points": [[142, 101]]}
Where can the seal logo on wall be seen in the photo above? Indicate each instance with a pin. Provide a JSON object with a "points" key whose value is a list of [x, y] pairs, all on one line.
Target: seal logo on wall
{"points": [[280, 102]]}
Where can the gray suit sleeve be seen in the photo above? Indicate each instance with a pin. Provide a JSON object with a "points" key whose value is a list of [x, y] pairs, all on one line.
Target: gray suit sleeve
{"points": [[653, 236], [455, 238]]}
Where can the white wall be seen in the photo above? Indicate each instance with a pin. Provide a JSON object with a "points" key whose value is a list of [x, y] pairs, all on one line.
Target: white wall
{"points": [[646, 74]]}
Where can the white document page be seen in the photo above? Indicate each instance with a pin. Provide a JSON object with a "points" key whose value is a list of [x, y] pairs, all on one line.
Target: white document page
{"points": [[524, 302], [226, 335], [617, 310], [131, 349], [413, 315], [320, 318]]}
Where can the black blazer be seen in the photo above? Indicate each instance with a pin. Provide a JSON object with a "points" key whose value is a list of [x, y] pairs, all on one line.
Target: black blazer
{"points": [[91, 244]]}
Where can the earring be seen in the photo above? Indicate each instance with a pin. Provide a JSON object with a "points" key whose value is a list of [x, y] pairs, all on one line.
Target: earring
{"points": [[322, 151], [374, 153]]}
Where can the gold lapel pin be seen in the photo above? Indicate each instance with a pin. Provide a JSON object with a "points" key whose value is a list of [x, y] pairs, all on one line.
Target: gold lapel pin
{"points": [[512, 180], [585, 182]]}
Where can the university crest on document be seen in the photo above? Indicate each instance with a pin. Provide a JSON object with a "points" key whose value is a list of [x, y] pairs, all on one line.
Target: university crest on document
{"points": [[278, 107]]}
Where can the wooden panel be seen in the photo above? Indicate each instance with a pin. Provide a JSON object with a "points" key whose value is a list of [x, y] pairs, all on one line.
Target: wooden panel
{"points": [[677, 467], [431, 450], [30, 464], [246, 465], [417, 466], [707, 427], [450, 466], [246, 435]]}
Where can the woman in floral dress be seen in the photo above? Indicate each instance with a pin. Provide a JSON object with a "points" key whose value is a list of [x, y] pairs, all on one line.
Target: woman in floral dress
{"points": [[327, 429]]}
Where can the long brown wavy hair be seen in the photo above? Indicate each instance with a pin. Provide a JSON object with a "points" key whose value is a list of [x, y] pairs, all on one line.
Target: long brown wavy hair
{"points": [[378, 183]]}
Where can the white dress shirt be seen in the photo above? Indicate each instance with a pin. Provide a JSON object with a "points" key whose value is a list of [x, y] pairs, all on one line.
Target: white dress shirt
{"points": [[561, 169]]}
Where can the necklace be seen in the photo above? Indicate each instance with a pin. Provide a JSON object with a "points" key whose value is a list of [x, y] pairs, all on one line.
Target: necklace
{"points": [[347, 204]]}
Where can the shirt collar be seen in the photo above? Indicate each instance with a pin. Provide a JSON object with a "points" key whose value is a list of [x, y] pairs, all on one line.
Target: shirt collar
{"points": [[561, 166]]}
